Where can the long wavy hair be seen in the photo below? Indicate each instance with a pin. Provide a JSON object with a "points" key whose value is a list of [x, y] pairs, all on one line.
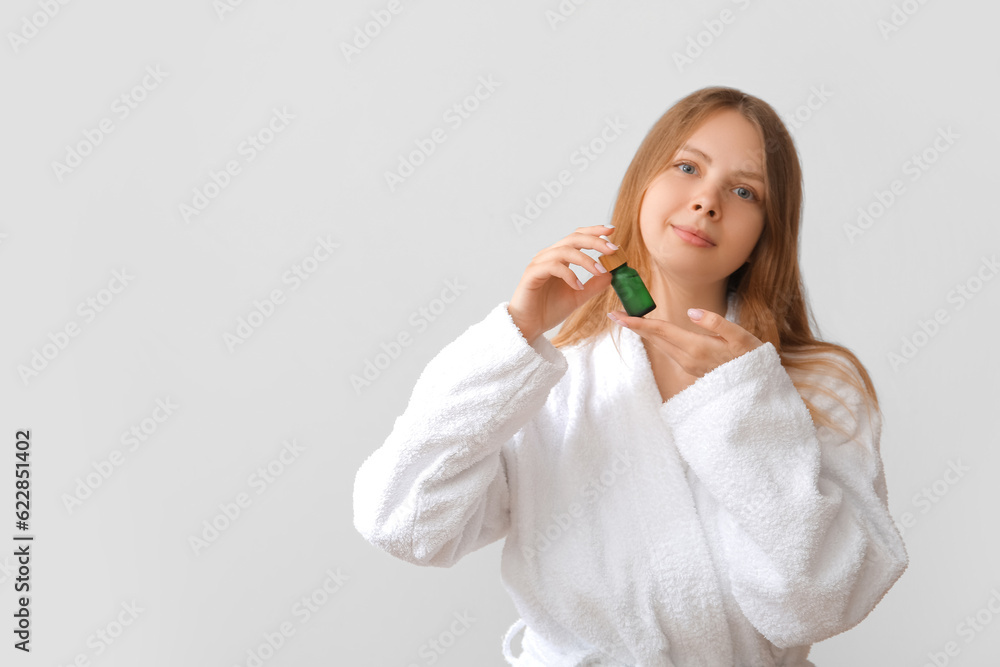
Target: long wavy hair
{"points": [[769, 286]]}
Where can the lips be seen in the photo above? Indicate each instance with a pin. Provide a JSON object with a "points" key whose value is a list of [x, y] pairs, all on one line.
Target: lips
{"points": [[694, 232]]}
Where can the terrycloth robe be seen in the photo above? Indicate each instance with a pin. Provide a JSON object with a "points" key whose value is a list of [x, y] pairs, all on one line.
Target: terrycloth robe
{"points": [[721, 527]]}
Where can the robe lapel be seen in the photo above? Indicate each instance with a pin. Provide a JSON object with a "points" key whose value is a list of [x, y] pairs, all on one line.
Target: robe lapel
{"points": [[685, 592]]}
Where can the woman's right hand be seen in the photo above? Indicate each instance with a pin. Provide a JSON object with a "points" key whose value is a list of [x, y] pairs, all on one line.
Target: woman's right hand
{"points": [[548, 292]]}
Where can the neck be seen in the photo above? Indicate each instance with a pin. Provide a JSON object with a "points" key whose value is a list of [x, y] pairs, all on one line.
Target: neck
{"points": [[673, 299]]}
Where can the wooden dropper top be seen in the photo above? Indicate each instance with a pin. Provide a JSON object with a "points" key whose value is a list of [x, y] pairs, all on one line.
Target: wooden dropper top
{"points": [[613, 261]]}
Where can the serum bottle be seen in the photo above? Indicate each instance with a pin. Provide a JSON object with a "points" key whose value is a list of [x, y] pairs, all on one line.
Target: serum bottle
{"points": [[627, 284]]}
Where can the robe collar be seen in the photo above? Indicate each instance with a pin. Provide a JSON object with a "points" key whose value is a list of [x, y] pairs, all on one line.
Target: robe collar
{"points": [[637, 377]]}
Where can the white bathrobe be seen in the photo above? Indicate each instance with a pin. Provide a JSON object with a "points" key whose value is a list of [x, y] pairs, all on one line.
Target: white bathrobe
{"points": [[719, 528]]}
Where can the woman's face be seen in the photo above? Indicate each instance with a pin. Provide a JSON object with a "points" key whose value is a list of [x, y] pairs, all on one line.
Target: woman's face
{"points": [[703, 189]]}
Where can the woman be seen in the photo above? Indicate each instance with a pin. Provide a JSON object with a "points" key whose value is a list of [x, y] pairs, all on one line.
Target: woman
{"points": [[692, 487]]}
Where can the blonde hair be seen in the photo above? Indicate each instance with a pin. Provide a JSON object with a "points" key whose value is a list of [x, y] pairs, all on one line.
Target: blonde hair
{"points": [[769, 288]]}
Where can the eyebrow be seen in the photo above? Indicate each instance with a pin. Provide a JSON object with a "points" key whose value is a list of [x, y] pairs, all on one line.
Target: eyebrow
{"points": [[708, 160]]}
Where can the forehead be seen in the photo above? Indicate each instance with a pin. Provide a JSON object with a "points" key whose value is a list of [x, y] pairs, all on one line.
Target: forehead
{"points": [[729, 139]]}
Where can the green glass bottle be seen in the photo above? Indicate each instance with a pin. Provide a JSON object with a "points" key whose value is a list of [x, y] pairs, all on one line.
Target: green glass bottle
{"points": [[627, 285]]}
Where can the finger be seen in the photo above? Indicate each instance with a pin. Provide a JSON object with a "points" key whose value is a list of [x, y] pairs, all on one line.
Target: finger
{"points": [[596, 229], [661, 329], [562, 270], [581, 238], [678, 336], [581, 241], [661, 334], [595, 285], [570, 255], [714, 323]]}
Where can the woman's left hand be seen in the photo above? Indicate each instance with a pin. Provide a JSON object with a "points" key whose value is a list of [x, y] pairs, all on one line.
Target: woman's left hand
{"points": [[696, 353]]}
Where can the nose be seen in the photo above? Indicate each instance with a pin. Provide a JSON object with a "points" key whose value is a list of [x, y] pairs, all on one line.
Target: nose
{"points": [[699, 207], [706, 201]]}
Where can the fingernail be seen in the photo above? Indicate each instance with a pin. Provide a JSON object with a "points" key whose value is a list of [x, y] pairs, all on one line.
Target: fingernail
{"points": [[600, 267], [612, 245], [695, 313], [614, 318]]}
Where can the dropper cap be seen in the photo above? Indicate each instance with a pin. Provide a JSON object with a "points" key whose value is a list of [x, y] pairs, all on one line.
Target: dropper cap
{"points": [[613, 261]]}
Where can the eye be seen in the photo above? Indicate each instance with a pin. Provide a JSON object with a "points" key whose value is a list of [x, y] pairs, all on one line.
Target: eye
{"points": [[751, 193]]}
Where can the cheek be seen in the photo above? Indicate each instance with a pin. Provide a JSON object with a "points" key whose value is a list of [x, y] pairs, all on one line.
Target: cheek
{"points": [[750, 236], [655, 205], [740, 239], [649, 211]]}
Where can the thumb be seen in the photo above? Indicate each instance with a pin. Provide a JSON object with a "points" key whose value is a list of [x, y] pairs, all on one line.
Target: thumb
{"points": [[597, 284]]}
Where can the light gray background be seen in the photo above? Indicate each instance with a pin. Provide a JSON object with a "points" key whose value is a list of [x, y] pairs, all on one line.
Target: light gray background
{"points": [[162, 336]]}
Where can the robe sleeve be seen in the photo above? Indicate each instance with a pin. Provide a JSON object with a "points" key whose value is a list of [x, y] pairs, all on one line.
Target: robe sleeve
{"points": [[801, 512], [437, 488]]}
